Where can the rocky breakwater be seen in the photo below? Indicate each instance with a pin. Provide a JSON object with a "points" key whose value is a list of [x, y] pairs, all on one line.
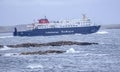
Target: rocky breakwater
{"points": [[59, 43]]}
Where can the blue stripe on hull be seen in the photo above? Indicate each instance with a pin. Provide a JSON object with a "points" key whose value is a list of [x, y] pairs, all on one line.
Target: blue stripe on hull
{"points": [[58, 31]]}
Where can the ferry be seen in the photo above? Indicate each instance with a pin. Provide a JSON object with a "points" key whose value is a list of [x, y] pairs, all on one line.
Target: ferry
{"points": [[44, 27]]}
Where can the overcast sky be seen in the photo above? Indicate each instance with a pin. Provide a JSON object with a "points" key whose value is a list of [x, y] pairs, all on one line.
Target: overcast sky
{"points": [[15, 12]]}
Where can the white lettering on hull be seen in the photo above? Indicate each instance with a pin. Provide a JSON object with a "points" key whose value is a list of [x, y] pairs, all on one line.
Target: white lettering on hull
{"points": [[66, 31], [51, 32]]}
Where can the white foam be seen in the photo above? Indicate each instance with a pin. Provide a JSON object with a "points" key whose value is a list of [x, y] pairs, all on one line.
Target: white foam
{"points": [[71, 50], [11, 54], [102, 32], [5, 48], [34, 66], [78, 34], [6, 36]]}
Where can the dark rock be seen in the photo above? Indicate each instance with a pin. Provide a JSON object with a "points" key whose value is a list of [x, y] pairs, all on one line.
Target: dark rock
{"points": [[1, 46], [43, 52], [59, 43], [25, 45]]}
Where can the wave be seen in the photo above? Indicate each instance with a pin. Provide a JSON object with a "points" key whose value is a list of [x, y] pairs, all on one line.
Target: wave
{"points": [[71, 50], [6, 36], [102, 32], [91, 54], [5, 48], [34, 66], [11, 54]]}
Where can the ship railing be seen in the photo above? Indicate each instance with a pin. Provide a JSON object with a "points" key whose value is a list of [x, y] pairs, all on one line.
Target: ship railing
{"points": [[44, 26], [65, 23]]}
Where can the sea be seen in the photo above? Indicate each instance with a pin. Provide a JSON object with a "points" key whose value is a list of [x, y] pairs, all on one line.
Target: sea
{"points": [[102, 57]]}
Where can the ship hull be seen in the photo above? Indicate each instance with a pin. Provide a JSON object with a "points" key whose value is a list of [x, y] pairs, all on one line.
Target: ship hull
{"points": [[57, 31]]}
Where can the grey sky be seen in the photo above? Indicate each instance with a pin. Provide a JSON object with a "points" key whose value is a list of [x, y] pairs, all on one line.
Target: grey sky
{"points": [[14, 12]]}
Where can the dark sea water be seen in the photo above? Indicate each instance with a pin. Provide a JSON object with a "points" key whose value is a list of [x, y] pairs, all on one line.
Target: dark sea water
{"points": [[104, 57]]}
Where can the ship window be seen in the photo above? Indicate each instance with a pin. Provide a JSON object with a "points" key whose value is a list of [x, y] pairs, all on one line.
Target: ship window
{"points": [[52, 26], [78, 22], [67, 21]]}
